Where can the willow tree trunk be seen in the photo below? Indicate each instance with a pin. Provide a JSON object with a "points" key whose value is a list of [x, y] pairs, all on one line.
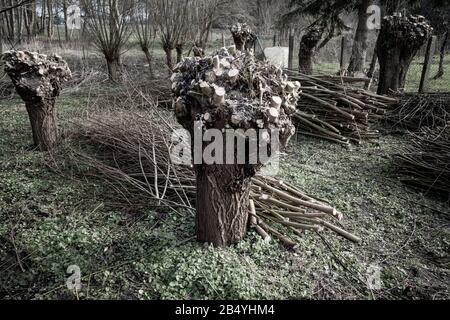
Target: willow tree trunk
{"points": [[179, 49], [66, 27], [307, 49], [399, 39], [148, 57], [440, 72], [359, 50], [222, 208], [50, 19], [113, 66], [43, 124], [394, 65], [169, 62]]}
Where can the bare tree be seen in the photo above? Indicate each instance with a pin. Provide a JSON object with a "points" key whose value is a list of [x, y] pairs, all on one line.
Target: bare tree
{"points": [[204, 14], [145, 28], [108, 22], [171, 19]]}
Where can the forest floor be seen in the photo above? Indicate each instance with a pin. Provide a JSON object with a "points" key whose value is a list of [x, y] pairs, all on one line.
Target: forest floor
{"points": [[50, 222]]}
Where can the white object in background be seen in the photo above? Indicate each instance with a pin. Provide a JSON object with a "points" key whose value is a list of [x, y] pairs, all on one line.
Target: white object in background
{"points": [[278, 56]]}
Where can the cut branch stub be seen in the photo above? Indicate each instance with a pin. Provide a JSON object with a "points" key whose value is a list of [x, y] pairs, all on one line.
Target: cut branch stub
{"points": [[399, 40], [38, 79], [245, 88], [231, 90]]}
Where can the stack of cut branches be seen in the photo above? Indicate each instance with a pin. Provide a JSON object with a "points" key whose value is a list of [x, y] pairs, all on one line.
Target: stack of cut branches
{"points": [[426, 163], [415, 111], [337, 112], [133, 154]]}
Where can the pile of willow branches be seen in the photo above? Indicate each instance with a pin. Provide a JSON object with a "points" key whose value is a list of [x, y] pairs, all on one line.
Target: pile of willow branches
{"points": [[132, 153], [426, 162], [415, 111], [337, 112]]}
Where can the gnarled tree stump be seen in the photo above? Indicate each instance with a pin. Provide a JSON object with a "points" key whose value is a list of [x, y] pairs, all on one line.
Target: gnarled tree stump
{"points": [[38, 79], [398, 41], [230, 90]]}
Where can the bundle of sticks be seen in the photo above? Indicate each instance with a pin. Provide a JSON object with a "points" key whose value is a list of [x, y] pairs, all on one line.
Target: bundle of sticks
{"points": [[426, 162], [132, 153], [415, 111], [337, 112]]}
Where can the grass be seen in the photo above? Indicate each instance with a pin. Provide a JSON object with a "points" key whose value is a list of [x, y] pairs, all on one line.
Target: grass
{"points": [[50, 222], [415, 73]]}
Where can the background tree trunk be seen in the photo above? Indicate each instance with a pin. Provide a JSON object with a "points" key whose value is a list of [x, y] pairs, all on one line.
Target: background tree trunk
{"points": [[148, 57], [43, 124], [222, 211], [359, 50], [113, 65], [50, 19], [440, 72], [66, 28], [169, 61], [307, 49], [398, 41], [179, 49], [394, 65]]}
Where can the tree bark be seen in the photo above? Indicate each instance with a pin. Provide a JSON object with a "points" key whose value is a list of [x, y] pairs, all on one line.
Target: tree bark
{"points": [[50, 19], [359, 50], [440, 72], [169, 61], [113, 65], [398, 41], [222, 210], [43, 124], [394, 65], [148, 57], [307, 49], [179, 49], [66, 27]]}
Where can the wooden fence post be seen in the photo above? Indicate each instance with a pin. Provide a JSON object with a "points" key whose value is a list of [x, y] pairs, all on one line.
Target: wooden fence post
{"points": [[223, 40], [426, 64], [291, 50], [341, 57], [275, 39]]}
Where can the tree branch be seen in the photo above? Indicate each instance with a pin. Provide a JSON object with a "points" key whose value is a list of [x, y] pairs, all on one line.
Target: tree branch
{"points": [[19, 4]]}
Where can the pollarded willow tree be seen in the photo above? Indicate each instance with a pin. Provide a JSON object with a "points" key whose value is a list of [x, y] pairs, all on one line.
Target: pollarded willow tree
{"points": [[108, 22], [38, 79], [244, 38], [226, 98], [327, 23], [172, 19], [145, 27], [307, 48], [204, 14], [398, 42]]}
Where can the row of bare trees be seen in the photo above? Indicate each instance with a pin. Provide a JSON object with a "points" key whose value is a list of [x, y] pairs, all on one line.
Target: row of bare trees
{"points": [[178, 24], [23, 19]]}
